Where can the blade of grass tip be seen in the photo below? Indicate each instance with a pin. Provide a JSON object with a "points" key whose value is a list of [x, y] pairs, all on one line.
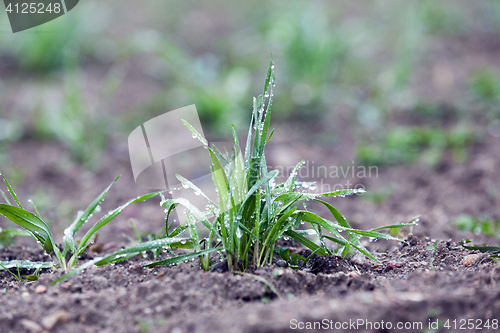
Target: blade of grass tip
{"points": [[267, 119], [18, 276], [69, 233], [136, 232], [330, 226], [312, 196], [34, 207], [195, 132], [182, 257], [390, 226], [249, 142], [291, 177], [11, 190], [306, 242], [223, 157], [270, 136], [195, 188], [5, 197], [170, 208], [269, 73]]}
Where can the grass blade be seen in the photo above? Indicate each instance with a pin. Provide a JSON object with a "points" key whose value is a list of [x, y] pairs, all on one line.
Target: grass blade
{"points": [[182, 257], [339, 217], [38, 229], [195, 132], [108, 217], [25, 264], [5, 197], [14, 232], [70, 232], [195, 188], [137, 249], [11, 191], [76, 270]]}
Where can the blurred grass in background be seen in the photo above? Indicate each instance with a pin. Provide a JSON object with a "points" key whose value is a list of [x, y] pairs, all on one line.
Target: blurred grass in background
{"points": [[93, 75]]}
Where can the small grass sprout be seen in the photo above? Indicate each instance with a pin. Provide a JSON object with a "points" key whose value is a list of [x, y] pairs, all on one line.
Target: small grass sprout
{"points": [[72, 249]]}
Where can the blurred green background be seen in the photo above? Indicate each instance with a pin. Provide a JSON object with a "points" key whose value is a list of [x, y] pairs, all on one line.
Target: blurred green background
{"points": [[96, 72], [391, 83]]}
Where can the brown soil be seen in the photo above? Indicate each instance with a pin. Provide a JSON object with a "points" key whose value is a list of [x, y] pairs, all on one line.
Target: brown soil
{"points": [[411, 284]]}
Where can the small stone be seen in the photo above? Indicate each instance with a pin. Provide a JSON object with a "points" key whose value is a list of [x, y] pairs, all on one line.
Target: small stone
{"points": [[470, 259], [25, 294], [281, 263], [40, 289], [31, 326], [51, 320]]}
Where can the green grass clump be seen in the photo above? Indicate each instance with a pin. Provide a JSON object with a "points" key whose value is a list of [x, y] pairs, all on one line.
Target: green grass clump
{"points": [[252, 212], [406, 145], [478, 225], [67, 256]]}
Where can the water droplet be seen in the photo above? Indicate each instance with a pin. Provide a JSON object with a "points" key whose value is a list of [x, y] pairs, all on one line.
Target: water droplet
{"points": [[197, 193], [183, 241], [193, 135], [312, 187], [185, 185], [98, 209], [239, 217]]}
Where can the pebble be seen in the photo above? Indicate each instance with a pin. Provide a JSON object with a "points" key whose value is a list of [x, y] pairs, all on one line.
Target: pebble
{"points": [[31, 326], [470, 259], [281, 263], [51, 320], [40, 289]]}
